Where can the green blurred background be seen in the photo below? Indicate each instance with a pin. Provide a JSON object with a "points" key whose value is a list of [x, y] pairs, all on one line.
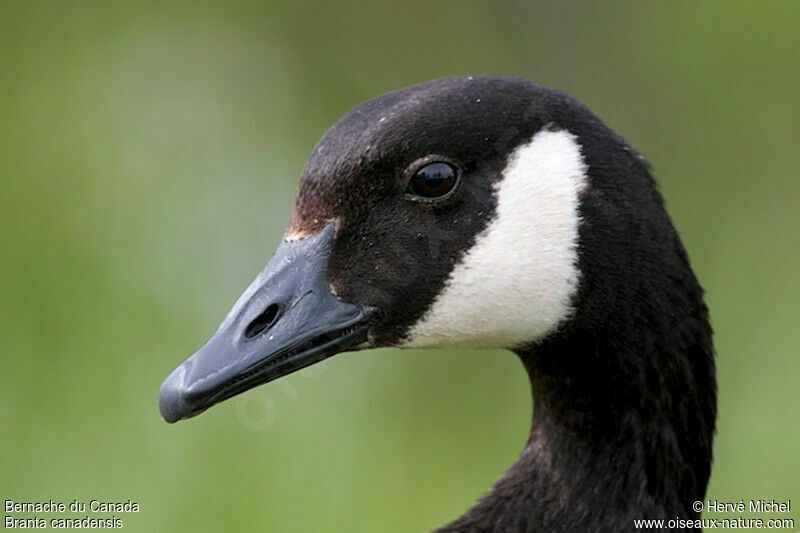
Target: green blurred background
{"points": [[149, 154]]}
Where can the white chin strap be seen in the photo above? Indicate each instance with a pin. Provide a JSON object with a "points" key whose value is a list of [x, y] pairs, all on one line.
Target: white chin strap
{"points": [[516, 284]]}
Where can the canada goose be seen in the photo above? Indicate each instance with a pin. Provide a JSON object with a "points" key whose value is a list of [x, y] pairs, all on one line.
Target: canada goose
{"points": [[484, 211]]}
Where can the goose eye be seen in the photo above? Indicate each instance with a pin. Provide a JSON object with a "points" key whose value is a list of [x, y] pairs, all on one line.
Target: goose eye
{"points": [[434, 180]]}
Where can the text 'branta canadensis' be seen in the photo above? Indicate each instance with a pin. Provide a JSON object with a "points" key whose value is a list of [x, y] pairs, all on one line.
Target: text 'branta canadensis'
{"points": [[492, 212]]}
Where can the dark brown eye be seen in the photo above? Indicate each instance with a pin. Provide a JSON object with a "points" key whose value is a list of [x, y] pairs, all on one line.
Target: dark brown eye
{"points": [[434, 180]]}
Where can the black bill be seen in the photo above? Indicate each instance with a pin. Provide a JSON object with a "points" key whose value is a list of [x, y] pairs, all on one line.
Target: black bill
{"points": [[286, 320]]}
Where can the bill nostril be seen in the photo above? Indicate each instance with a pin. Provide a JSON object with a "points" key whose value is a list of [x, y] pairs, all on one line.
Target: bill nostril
{"points": [[263, 321]]}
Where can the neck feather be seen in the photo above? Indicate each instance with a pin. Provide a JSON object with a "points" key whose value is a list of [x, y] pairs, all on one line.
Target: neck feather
{"points": [[622, 430]]}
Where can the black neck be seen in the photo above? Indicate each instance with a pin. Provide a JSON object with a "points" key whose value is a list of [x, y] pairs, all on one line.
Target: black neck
{"points": [[621, 431]]}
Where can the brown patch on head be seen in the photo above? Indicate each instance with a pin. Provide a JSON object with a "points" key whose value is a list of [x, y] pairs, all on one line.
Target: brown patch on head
{"points": [[303, 229], [292, 235], [312, 212]]}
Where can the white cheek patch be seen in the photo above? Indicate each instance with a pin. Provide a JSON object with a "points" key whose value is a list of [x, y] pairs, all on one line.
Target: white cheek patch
{"points": [[515, 285]]}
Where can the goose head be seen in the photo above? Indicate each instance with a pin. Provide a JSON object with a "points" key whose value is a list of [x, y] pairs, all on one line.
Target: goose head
{"points": [[489, 212]]}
